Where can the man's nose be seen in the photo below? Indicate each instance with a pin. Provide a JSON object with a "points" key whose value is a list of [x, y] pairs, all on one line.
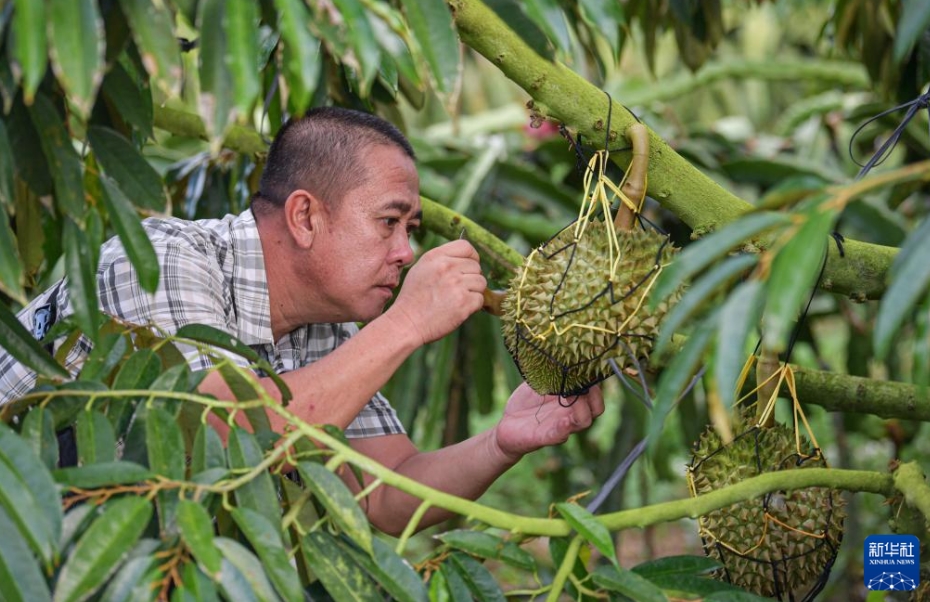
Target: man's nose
{"points": [[403, 251]]}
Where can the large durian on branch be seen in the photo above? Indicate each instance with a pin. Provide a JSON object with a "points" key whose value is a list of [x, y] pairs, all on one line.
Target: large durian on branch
{"points": [[782, 544], [580, 301]]}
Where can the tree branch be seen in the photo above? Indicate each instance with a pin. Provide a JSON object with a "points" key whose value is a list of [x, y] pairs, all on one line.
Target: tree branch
{"points": [[561, 94]]}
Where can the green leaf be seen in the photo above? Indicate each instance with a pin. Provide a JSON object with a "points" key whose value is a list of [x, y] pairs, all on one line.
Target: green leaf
{"points": [[548, 15], [486, 545], [628, 583], [166, 454], [512, 13], [195, 587], [19, 343], [216, 337], [250, 567], [64, 165], [131, 574], [196, 527], [21, 577], [910, 280], [7, 194], [105, 355], [742, 309], [914, 21], [794, 273], [259, 493], [365, 51], [301, 56], [676, 375], [477, 577], [102, 548], [103, 474], [455, 584], [339, 502], [131, 173], [234, 585], [135, 241], [389, 570], [692, 585], [28, 49], [152, 30], [82, 282], [435, 34], [265, 539], [76, 42], [29, 494], [75, 521], [39, 431], [342, 577], [208, 450], [697, 296], [734, 596], [588, 527], [216, 83], [11, 266], [241, 36], [604, 17], [140, 371], [701, 254], [131, 99], [96, 442]]}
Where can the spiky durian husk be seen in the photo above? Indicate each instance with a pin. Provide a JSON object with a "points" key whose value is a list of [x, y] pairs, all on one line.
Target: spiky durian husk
{"points": [[564, 316], [790, 553]]}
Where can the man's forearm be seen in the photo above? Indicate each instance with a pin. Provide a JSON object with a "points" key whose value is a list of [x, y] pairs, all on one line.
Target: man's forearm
{"points": [[334, 389], [465, 469]]}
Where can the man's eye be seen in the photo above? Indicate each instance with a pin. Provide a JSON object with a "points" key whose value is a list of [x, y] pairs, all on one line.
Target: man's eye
{"points": [[390, 222]]}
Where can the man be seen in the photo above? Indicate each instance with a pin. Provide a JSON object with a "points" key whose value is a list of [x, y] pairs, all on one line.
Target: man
{"points": [[322, 248]]}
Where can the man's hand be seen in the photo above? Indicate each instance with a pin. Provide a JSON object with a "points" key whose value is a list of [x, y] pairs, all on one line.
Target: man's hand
{"points": [[441, 290], [532, 421]]}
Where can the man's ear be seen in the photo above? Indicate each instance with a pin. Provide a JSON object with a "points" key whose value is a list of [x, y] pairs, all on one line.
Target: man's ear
{"points": [[303, 214]]}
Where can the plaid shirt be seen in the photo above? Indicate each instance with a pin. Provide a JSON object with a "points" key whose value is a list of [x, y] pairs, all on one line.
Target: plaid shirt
{"points": [[212, 272]]}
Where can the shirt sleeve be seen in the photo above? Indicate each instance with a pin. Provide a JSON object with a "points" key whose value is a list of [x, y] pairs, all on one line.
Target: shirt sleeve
{"points": [[191, 290]]}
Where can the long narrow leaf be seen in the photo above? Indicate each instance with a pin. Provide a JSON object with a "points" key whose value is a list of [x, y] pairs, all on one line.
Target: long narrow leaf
{"points": [[20, 574], [196, 529], [265, 539], [29, 49], [910, 280], [339, 502], [593, 531], [742, 310], [259, 493], [154, 35], [342, 577], [63, 161], [82, 281], [432, 26], [302, 60], [241, 33], [102, 548], [701, 254], [76, 42], [250, 567], [793, 276], [126, 222], [628, 583]]}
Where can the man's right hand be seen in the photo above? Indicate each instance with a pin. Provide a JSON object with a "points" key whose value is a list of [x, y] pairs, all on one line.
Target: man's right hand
{"points": [[441, 290]]}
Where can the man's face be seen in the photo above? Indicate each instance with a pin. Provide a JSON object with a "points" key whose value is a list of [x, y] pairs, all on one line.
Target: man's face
{"points": [[360, 253]]}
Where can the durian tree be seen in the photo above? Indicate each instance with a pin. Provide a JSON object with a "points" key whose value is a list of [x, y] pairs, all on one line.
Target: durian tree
{"points": [[117, 110]]}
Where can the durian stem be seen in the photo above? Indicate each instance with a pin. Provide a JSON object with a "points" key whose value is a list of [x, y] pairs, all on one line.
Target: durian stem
{"points": [[767, 369], [634, 184], [493, 301], [909, 479]]}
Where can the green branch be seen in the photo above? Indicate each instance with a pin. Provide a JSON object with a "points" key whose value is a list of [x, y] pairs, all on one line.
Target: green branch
{"points": [[845, 393], [823, 72], [909, 479], [563, 95]]}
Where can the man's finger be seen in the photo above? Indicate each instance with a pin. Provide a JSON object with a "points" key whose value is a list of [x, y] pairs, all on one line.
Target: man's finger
{"points": [[461, 248]]}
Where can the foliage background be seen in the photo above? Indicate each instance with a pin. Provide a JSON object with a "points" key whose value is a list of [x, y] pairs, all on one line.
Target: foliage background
{"points": [[114, 120]]}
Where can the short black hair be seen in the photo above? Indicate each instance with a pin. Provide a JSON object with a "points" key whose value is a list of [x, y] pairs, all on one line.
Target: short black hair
{"points": [[319, 152]]}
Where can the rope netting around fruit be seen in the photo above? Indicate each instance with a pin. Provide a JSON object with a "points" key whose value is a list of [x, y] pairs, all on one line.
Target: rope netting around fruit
{"points": [[581, 297], [782, 544]]}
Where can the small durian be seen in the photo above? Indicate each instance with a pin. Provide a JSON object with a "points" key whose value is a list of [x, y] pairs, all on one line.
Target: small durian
{"points": [[565, 316], [782, 544]]}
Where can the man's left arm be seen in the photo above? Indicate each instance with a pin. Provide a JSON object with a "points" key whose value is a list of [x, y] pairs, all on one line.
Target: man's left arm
{"points": [[468, 468]]}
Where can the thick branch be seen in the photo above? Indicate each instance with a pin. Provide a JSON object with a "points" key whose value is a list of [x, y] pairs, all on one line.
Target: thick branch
{"points": [[909, 479], [562, 94], [845, 393]]}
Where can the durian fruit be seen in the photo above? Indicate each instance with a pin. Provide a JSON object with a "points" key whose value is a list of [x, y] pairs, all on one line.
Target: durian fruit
{"points": [[782, 544], [564, 315]]}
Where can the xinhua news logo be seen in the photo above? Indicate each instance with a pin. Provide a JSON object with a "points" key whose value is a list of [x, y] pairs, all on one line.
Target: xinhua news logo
{"points": [[891, 562]]}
